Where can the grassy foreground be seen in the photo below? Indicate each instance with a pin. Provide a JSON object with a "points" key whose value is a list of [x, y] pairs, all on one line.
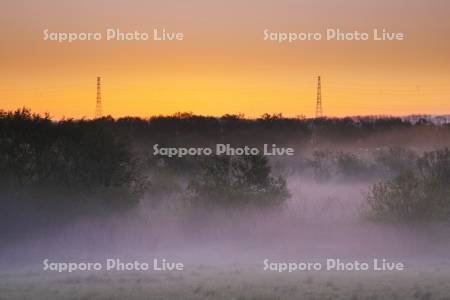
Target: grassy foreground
{"points": [[231, 282]]}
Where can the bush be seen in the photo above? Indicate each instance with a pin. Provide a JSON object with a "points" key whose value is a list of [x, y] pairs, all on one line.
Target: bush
{"points": [[226, 181], [322, 165], [350, 166], [399, 199], [394, 161], [419, 194]]}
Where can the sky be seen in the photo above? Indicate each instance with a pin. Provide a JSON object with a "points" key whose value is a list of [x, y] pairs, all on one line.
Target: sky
{"points": [[223, 65]]}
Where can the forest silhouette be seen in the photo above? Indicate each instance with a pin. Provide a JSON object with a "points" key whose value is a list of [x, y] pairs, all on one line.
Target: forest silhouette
{"points": [[58, 169]]}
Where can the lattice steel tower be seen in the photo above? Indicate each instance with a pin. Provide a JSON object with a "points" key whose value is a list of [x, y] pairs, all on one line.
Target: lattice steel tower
{"points": [[319, 111], [98, 105]]}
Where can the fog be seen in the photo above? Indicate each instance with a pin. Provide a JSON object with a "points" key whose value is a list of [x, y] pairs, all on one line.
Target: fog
{"points": [[355, 190], [319, 221]]}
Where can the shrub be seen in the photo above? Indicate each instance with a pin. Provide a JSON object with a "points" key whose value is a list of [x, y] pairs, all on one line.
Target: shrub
{"points": [[322, 165], [399, 199], [351, 166], [227, 181], [394, 161], [419, 194]]}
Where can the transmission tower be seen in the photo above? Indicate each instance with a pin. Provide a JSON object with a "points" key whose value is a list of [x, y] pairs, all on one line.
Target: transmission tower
{"points": [[98, 105], [319, 111]]}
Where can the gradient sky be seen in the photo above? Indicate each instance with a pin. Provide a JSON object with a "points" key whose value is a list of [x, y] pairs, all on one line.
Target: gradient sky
{"points": [[223, 65]]}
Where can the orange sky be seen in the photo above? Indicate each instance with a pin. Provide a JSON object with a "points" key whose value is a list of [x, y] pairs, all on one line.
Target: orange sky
{"points": [[223, 65]]}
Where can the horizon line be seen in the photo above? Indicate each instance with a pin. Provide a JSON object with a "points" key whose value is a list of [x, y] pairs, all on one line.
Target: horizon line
{"points": [[238, 116]]}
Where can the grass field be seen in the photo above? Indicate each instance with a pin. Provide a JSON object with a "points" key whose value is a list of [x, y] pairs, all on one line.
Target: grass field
{"points": [[231, 282]]}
